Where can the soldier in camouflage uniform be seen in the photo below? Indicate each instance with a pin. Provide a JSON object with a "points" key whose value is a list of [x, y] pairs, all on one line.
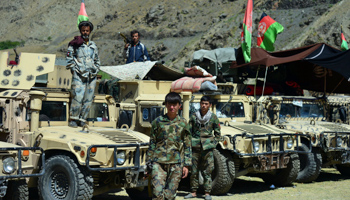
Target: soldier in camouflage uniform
{"points": [[83, 61], [202, 124], [169, 153]]}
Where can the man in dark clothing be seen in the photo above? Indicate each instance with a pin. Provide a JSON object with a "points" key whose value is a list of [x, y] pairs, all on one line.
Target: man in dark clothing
{"points": [[84, 64], [135, 52]]}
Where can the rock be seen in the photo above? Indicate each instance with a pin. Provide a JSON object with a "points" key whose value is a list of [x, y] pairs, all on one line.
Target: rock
{"points": [[154, 15], [184, 11], [223, 16]]}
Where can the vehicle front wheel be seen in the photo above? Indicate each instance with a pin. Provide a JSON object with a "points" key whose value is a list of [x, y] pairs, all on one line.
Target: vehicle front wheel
{"points": [[64, 180], [310, 165], [17, 190], [286, 176], [222, 175]]}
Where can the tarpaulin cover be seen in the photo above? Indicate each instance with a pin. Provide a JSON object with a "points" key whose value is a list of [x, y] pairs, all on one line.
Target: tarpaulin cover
{"points": [[138, 70], [219, 55]]}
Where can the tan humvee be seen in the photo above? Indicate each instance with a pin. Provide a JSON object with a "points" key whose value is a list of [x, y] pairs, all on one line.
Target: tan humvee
{"points": [[246, 147], [329, 140], [80, 162]]}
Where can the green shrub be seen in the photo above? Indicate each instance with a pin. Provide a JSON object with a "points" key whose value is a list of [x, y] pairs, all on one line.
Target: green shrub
{"points": [[10, 44]]}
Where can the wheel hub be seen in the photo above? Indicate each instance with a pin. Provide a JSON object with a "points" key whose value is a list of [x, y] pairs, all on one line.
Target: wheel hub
{"points": [[59, 185]]}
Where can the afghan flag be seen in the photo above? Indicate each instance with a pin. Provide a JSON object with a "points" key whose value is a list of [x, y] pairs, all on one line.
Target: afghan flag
{"points": [[246, 36], [344, 44], [267, 32], [82, 13]]}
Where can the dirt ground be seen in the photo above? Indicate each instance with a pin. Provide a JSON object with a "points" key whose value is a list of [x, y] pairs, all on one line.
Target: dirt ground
{"points": [[329, 185]]}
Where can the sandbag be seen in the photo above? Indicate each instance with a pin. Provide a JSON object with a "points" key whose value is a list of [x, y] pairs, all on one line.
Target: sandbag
{"points": [[196, 71], [190, 84]]}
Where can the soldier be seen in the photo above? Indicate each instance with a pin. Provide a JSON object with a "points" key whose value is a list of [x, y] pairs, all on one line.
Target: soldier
{"points": [[169, 153], [84, 63], [202, 124]]}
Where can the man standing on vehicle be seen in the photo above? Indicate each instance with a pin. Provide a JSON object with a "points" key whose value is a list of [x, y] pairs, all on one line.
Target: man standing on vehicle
{"points": [[169, 153], [203, 124], [84, 63], [135, 52]]}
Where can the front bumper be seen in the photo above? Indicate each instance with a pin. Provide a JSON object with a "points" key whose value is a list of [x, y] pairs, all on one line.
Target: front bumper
{"points": [[269, 150], [19, 171], [116, 147]]}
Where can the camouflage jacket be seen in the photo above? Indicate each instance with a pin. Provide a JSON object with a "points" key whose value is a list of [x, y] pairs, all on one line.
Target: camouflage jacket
{"points": [[84, 59], [202, 136], [170, 141]]}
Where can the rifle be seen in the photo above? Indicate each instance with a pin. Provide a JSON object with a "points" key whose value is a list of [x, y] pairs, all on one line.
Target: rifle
{"points": [[17, 56], [126, 40]]}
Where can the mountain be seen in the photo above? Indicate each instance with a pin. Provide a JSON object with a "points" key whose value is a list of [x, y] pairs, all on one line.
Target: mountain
{"points": [[171, 30]]}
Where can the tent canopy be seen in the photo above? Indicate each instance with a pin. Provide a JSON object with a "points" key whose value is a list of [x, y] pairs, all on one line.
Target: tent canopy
{"points": [[301, 64]]}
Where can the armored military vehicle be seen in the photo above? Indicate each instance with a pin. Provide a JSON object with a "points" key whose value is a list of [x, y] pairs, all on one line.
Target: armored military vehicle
{"points": [[80, 162], [329, 141], [246, 147]]}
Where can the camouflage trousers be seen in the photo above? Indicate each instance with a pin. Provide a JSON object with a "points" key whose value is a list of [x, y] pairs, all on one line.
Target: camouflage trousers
{"points": [[202, 160], [165, 180], [82, 96]]}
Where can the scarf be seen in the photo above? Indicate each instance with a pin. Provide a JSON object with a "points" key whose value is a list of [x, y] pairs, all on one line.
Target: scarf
{"points": [[76, 42], [205, 119]]}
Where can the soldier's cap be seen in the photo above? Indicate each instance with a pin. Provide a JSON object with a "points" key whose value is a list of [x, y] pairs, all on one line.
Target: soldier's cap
{"points": [[86, 23]]}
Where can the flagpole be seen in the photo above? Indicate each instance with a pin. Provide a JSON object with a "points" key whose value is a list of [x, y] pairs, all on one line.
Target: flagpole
{"points": [[264, 82], [256, 81]]}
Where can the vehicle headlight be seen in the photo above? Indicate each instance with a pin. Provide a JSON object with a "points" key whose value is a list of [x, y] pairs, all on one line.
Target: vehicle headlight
{"points": [[121, 157], [289, 143], [9, 165], [256, 146], [339, 142]]}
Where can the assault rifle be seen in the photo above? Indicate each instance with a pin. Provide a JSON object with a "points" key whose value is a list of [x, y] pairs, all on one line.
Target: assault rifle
{"points": [[126, 40]]}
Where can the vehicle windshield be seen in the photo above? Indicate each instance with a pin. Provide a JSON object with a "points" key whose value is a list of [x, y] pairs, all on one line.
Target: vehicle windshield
{"points": [[229, 110], [194, 107], [301, 110], [98, 112], [53, 111]]}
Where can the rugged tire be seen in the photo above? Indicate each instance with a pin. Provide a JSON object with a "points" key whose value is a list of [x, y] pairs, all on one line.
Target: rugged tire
{"points": [[138, 193], [64, 180], [284, 177], [344, 169], [222, 179], [17, 190], [310, 165]]}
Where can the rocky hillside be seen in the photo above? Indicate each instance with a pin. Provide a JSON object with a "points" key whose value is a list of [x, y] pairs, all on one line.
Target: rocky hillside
{"points": [[171, 30]]}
